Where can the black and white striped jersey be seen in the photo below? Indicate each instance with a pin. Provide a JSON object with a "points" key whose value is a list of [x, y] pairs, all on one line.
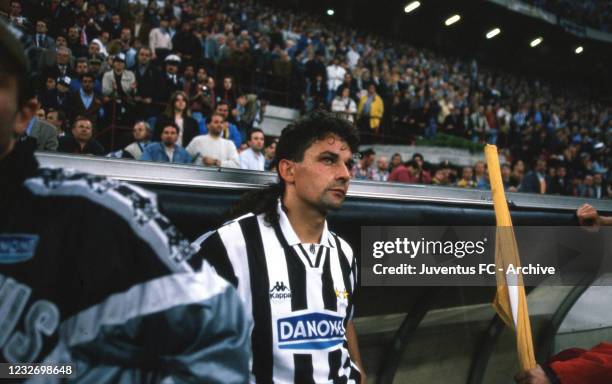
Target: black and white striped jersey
{"points": [[300, 296]]}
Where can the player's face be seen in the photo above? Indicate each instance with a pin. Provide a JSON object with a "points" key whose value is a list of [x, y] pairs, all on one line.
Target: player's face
{"points": [[322, 177]]}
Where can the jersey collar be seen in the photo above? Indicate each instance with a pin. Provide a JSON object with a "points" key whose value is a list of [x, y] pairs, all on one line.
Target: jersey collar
{"points": [[290, 235]]}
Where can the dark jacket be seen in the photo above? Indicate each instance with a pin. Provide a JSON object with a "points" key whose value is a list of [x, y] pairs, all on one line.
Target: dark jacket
{"points": [[105, 277], [68, 144], [531, 183], [78, 108]]}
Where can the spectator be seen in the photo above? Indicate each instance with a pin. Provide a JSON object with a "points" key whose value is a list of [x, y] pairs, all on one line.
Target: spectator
{"points": [[381, 173], [600, 190], [535, 181], [203, 100], [142, 133], [335, 76], [115, 26], [118, 88], [84, 102], [344, 106], [147, 80], [43, 132], [467, 178], [125, 46], [480, 169], [167, 151], [419, 174], [81, 141], [270, 153], [361, 170], [170, 79], [82, 68], [478, 126], [350, 83], [560, 184], [396, 160], [15, 17], [246, 112], [186, 43], [253, 158], [74, 42], [402, 173], [41, 114], [506, 172], [212, 149], [230, 131], [370, 111], [587, 189], [41, 39], [58, 120], [60, 97], [440, 177], [48, 57], [160, 40], [316, 93], [178, 112], [58, 65]]}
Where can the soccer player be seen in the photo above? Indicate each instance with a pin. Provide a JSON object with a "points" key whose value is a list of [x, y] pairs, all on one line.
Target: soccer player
{"points": [[92, 274], [295, 276]]}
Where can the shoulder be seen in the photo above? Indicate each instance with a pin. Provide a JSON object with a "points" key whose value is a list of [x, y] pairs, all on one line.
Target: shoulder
{"points": [[230, 226], [122, 201], [345, 247]]}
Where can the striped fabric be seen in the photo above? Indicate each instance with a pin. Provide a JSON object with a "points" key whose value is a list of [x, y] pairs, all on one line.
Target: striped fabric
{"points": [[300, 297]]}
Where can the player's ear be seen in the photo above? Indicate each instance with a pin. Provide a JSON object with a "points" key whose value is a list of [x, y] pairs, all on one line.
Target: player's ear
{"points": [[286, 170]]}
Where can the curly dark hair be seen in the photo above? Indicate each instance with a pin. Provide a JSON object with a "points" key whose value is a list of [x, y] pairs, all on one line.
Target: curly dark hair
{"points": [[295, 139]]}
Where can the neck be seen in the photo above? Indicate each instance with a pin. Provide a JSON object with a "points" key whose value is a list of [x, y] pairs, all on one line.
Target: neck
{"points": [[169, 146], [307, 221], [178, 113]]}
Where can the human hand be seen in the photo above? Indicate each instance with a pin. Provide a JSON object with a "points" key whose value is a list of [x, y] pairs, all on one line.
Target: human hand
{"points": [[532, 376], [210, 161], [588, 217]]}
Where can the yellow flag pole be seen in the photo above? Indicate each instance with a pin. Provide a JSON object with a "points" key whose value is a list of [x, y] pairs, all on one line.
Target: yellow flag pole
{"points": [[510, 300]]}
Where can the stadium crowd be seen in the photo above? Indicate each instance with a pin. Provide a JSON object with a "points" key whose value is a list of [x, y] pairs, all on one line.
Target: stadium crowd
{"points": [[592, 13], [181, 80]]}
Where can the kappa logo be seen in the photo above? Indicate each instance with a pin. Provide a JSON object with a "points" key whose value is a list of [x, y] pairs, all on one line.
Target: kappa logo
{"points": [[311, 331], [280, 291]]}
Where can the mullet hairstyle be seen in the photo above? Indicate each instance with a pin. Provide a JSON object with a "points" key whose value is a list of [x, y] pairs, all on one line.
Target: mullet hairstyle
{"points": [[295, 139]]}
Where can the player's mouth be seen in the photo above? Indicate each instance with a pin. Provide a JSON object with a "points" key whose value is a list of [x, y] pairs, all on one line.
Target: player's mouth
{"points": [[339, 191]]}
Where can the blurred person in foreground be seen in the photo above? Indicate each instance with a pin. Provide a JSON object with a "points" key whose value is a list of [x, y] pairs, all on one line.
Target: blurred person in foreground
{"points": [[102, 274]]}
